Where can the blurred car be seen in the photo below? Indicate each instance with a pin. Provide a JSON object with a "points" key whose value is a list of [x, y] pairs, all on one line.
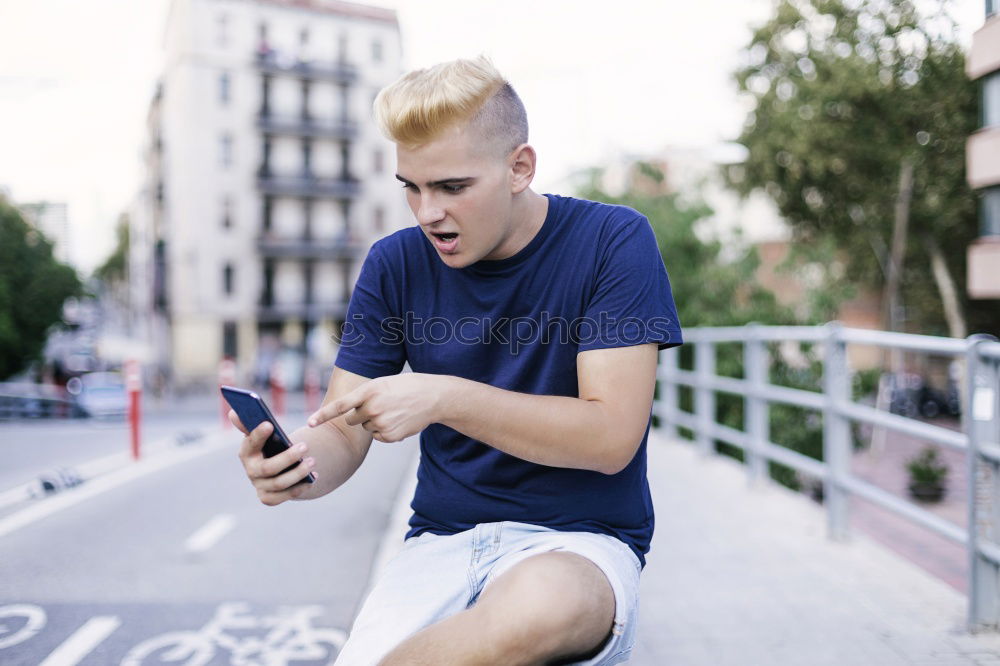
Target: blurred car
{"points": [[99, 394]]}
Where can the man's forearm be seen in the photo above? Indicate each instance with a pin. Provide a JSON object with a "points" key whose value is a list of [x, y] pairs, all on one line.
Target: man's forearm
{"points": [[558, 431], [337, 458]]}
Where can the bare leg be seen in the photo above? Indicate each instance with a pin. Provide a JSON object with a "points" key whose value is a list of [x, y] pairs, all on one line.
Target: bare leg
{"points": [[552, 605]]}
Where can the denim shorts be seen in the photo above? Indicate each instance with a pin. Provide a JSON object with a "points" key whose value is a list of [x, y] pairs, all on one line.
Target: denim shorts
{"points": [[436, 576]]}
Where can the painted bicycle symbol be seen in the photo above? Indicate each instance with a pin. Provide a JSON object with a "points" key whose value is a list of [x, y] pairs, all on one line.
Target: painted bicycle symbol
{"points": [[27, 621], [271, 640]]}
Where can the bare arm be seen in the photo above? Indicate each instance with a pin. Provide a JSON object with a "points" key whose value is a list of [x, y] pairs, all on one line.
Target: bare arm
{"points": [[333, 452], [599, 430]]}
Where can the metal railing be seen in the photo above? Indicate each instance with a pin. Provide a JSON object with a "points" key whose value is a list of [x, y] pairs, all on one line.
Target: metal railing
{"points": [[269, 123], [979, 438]]}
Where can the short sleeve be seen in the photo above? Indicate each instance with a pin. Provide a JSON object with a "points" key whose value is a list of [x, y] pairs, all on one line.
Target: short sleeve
{"points": [[371, 346], [631, 303]]}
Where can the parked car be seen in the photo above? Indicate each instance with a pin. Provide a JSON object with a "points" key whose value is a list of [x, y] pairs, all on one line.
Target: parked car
{"points": [[99, 394]]}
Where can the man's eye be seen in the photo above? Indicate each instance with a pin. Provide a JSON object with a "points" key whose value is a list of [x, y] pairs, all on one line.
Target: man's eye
{"points": [[409, 186], [453, 189]]}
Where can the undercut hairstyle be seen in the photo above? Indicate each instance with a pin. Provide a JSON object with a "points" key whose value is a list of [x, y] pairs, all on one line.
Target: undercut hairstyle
{"points": [[423, 103]]}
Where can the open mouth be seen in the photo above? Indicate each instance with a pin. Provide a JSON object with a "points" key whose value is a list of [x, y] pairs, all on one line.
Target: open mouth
{"points": [[446, 242]]}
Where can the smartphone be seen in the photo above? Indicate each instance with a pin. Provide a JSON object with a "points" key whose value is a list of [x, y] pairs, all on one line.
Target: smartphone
{"points": [[252, 412]]}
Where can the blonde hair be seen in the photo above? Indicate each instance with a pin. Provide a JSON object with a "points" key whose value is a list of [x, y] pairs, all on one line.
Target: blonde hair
{"points": [[423, 103]]}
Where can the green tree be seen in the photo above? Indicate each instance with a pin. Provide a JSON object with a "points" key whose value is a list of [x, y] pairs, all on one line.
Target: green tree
{"points": [[861, 111], [33, 287], [114, 270]]}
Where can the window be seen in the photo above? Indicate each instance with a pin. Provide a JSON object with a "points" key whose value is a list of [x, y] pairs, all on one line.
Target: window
{"points": [[989, 212], [229, 339], [266, 214], [227, 279], [227, 213], [307, 158], [989, 100], [379, 219], [342, 48], [377, 50], [224, 88], [991, 7], [378, 160], [222, 30], [226, 150]]}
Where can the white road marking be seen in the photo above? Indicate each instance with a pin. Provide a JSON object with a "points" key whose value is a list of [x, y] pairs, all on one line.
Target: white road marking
{"points": [[109, 481], [210, 533], [83, 641]]}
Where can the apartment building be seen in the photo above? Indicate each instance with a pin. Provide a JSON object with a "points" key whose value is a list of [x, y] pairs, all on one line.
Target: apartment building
{"points": [[267, 182], [983, 157]]}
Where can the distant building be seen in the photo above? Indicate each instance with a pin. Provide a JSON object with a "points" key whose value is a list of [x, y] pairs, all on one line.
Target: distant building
{"points": [[983, 157], [266, 182], [52, 220]]}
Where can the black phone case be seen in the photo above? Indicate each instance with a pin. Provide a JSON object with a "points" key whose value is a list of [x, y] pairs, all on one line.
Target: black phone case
{"points": [[252, 411]]}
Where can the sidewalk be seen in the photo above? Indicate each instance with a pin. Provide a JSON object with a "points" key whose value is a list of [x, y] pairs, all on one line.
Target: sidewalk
{"points": [[746, 576]]}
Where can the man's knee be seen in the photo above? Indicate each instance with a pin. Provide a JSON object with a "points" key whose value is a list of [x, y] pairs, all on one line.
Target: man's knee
{"points": [[550, 604]]}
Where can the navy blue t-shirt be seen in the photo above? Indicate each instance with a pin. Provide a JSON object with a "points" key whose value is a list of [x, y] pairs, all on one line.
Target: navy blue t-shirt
{"points": [[591, 278]]}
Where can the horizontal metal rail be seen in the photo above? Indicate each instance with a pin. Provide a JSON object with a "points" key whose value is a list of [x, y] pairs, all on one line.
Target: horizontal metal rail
{"points": [[979, 440]]}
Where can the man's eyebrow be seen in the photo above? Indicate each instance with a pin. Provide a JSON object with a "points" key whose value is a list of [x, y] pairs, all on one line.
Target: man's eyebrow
{"points": [[443, 181]]}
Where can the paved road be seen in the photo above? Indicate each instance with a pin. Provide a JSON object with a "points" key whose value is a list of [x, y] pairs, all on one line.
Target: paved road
{"points": [[175, 549]]}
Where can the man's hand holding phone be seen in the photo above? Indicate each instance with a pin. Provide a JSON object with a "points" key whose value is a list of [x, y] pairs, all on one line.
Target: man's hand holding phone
{"points": [[274, 481]]}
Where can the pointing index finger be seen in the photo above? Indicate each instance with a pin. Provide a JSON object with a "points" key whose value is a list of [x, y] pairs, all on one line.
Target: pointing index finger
{"points": [[336, 408]]}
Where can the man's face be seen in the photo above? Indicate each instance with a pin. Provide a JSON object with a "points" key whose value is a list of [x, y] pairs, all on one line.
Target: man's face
{"points": [[460, 192]]}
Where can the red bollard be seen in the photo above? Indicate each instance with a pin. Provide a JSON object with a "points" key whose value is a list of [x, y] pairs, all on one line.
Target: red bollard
{"points": [[133, 384], [227, 377], [312, 389], [277, 391]]}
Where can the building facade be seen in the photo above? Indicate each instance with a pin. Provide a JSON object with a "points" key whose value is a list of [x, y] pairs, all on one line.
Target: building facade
{"points": [[267, 182], [983, 156]]}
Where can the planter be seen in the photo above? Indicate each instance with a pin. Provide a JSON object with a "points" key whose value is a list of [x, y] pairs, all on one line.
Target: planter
{"points": [[927, 492]]}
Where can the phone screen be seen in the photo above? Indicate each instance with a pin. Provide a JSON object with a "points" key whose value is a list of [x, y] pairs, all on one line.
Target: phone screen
{"points": [[252, 412]]}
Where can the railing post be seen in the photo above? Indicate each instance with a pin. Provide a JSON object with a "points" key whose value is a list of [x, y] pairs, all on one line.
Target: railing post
{"points": [[836, 432], [982, 425], [755, 414], [669, 402], [704, 396]]}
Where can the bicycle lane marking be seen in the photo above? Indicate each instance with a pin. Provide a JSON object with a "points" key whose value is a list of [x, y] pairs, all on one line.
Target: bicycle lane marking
{"points": [[210, 533], [83, 641], [102, 484]]}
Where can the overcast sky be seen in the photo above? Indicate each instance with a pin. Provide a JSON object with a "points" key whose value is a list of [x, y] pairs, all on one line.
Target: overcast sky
{"points": [[598, 78]]}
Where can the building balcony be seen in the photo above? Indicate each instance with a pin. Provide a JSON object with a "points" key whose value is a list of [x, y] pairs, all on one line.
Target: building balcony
{"points": [[309, 248], [307, 186], [278, 312], [982, 158], [274, 63], [309, 127]]}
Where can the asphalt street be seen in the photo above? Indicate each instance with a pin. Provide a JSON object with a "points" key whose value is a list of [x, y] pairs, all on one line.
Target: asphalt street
{"points": [[183, 562]]}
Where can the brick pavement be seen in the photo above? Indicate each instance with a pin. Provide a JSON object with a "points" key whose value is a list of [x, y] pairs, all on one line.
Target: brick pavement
{"points": [[741, 575]]}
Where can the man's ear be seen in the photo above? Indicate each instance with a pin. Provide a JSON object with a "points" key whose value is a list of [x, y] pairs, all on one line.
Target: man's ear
{"points": [[522, 168]]}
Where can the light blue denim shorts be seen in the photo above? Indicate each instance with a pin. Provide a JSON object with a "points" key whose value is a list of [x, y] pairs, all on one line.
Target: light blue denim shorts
{"points": [[436, 576]]}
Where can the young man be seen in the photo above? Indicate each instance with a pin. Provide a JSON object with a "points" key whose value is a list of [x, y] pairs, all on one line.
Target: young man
{"points": [[532, 325]]}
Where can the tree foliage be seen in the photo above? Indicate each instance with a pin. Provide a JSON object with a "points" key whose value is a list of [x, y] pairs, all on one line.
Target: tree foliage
{"points": [[33, 287], [843, 94], [114, 270]]}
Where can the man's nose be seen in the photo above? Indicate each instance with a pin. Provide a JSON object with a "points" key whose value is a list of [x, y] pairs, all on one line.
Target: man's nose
{"points": [[428, 211]]}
